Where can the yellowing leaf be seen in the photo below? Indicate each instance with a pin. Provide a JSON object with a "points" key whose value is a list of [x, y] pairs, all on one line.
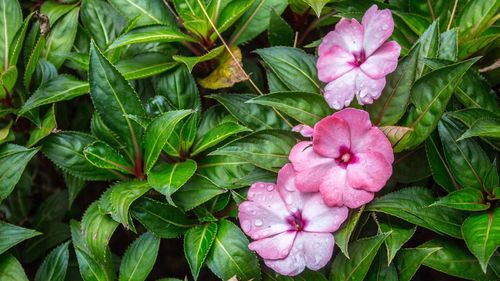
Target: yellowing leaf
{"points": [[395, 133], [227, 73]]}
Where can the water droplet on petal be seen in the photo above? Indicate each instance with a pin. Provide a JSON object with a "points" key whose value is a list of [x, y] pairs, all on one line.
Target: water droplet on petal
{"points": [[258, 222], [270, 187]]}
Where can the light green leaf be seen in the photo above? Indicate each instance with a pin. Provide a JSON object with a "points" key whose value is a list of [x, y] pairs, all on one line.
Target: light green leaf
{"points": [[198, 190], [139, 259], [121, 196], [399, 234], [11, 269], [11, 19], [190, 62], [151, 34], [48, 125], [144, 65], [467, 199], [33, 61], [317, 5], [197, 244], [216, 135], [448, 45], [476, 17], [167, 178]]}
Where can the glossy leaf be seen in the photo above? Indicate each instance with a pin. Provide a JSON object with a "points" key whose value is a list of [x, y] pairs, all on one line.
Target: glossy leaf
{"points": [[230, 256], [103, 27], [267, 149], [11, 19], [33, 61], [144, 65], [343, 235], [167, 178], [482, 235], [191, 62], [381, 270], [467, 199], [104, 156], [48, 125], [55, 265], [13, 161], [151, 34], [437, 162], [408, 261], [144, 12], [196, 191], [197, 244], [476, 17], [121, 196], [306, 108], [61, 38], [280, 33], [362, 252], [413, 204], [448, 45], [11, 235], [161, 219], [11, 269], [399, 234], [216, 135], [228, 171], [179, 88], [293, 67], [139, 259]]}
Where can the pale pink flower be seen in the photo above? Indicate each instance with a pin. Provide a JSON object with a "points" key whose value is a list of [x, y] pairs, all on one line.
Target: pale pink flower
{"points": [[347, 160], [354, 60], [291, 229]]}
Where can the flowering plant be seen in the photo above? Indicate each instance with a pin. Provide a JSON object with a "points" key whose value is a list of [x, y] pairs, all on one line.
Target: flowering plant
{"points": [[249, 140]]}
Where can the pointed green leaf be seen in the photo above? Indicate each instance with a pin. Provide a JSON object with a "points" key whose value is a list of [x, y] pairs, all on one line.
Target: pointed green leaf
{"points": [[467, 199], [101, 155], [400, 233], [437, 162], [343, 235], [139, 259], [11, 269], [55, 265], [121, 197], [409, 260], [13, 161], [151, 34], [145, 65], [190, 62], [102, 27], [144, 12], [167, 178], [197, 244], [61, 38], [11, 19], [11, 235], [48, 125], [279, 33], [216, 135], [196, 191]]}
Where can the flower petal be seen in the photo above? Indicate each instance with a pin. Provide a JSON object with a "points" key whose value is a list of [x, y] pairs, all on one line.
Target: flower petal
{"points": [[292, 265], [304, 130], [321, 218], [330, 135], [378, 26], [275, 247], [358, 121], [373, 140], [265, 213], [347, 34], [383, 61], [318, 248], [336, 190], [340, 92], [369, 172], [368, 89], [294, 199], [334, 63], [310, 167]]}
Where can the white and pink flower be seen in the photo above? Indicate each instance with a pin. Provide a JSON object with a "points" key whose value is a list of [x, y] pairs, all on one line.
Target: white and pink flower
{"points": [[292, 230], [354, 58]]}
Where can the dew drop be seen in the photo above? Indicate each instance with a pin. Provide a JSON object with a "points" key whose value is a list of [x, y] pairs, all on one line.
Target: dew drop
{"points": [[258, 222], [270, 187]]}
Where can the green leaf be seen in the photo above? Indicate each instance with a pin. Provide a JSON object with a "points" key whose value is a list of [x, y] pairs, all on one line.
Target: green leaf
{"points": [[114, 99], [101, 155], [144, 65], [293, 67], [483, 128], [53, 209], [55, 233], [473, 46], [399, 234], [161, 219], [193, 17], [157, 134], [279, 33], [103, 133], [409, 260], [55, 265], [343, 235], [254, 116], [11, 235], [144, 12], [448, 45], [381, 270], [167, 178], [437, 162], [121, 196], [230, 255], [472, 115], [151, 34], [256, 19], [227, 171], [267, 149], [65, 150], [48, 125], [198, 190], [61, 38], [11, 269], [317, 5], [414, 204], [476, 17], [102, 27], [306, 108], [96, 230], [362, 253], [11, 19], [139, 259], [18, 41], [430, 95], [33, 61], [179, 88], [216, 135], [411, 166], [197, 244], [230, 14], [429, 47], [451, 258], [190, 62], [467, 199], [481, 233], [74, 186], [468, 162], [391, 105], [13, 161]]}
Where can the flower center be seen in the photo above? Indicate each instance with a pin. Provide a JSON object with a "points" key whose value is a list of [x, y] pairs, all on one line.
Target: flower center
{"points": [[296, 222], [359, 58], [346, 157]]}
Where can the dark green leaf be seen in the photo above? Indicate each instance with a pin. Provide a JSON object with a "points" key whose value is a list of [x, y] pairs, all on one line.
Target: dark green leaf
{"points": [[161, 219], [226, 171], [410, 166], [476, 17], [55, 265], [101, 155], [144, 12], [11, 235], [437, 162], [102, 21], [13, 161], [429, 47], [190, 62], [48, 125], [381, 269], [280, 33], [121, 197], [399, 234], [61, 38], [33, 61], [179, 87], [167, 178], [197, 244], [343, 235], [11, 19], [448, 45], [482, 235], [196, 191], [139, 259], [216, 135], [151, 34], [144, 65], [11, 269], [409, 260], [467, 199], [230, 255]]}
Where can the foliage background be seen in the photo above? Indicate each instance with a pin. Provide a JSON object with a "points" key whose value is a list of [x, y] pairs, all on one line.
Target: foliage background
{"points": [[129, 134]]}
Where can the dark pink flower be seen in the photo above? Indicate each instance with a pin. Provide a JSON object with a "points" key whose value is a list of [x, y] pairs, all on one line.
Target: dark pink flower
{"points": [[354, 60], [292, 230], [347, 160]]}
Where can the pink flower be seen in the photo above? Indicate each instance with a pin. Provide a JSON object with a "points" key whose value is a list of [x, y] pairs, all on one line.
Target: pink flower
{"points": [[354, 60], [347, 160], [291, 229], [304, 130]]}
